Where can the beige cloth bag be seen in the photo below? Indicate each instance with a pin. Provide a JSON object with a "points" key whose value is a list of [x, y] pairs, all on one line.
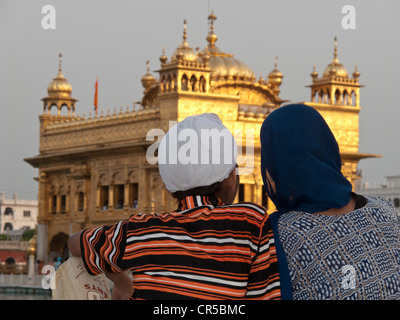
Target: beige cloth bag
{"points": [[73, 282]]}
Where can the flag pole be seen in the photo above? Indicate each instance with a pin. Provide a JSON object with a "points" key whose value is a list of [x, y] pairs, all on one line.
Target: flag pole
{"points": [[96, 93]]}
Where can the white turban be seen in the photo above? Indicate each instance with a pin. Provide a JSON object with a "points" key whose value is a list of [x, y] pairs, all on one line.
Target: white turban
{"points": [[196, 152]]}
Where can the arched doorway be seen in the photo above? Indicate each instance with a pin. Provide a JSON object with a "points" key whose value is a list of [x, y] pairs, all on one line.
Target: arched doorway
{"points": [[58, 247]]}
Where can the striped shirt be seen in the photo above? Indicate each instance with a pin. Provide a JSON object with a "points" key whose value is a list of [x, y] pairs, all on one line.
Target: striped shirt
{"points": [[203, 250]]}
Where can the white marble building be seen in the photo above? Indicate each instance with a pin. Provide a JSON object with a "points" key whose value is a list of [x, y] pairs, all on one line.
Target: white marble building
{"points": [[389, 190], [17, 215]]}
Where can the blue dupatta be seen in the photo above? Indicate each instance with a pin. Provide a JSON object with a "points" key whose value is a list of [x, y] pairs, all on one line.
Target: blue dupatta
{"points": [[301, 169]]}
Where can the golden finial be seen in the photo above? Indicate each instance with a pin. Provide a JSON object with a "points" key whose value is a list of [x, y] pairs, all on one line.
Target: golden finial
{"points": [[163, 57], [335, 51], [211, 38], [356, 74], [275, 76], [148, 80], [314, 73], [59, 61], [184, 30], [212, 17]]}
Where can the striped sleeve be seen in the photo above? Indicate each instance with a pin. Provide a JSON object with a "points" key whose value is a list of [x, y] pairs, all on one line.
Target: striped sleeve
{"points": [[264, 282], [103, 248]]}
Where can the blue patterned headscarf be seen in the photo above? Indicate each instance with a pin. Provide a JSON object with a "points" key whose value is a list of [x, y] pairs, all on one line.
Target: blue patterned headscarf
{"points": [[300, 161], [301, 169]]}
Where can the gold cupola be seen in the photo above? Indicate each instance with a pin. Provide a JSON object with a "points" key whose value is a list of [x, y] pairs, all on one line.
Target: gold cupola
{"points": [[335, 68], [275, 77], [59, 93], [223, 66], [335, 86], [184, 51], [59, 86], [148, 80]]}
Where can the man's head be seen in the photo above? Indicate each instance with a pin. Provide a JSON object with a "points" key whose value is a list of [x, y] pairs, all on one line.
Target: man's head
{"points": [[198, 157]]}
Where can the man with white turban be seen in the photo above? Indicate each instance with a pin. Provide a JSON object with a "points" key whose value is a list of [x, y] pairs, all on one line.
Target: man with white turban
{"points": [[208, 248], [199, 153]]}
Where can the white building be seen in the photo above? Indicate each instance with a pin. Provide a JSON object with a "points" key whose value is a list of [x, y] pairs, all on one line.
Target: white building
{"points": [[389, 190], [17, 215]]}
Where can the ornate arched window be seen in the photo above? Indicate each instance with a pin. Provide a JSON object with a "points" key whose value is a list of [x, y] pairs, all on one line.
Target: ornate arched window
{"points": [[337, 96], [202, 84], [184, 83], [346, 99], [353, 98], [193, 83]]}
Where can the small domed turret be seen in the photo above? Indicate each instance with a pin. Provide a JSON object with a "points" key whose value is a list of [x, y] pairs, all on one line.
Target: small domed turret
{"points": [[59, 86], [59, 94], [335, 68], [275, 76], [356, 74], [314, 73], [148, 79], [163, 57], [184, 51]]}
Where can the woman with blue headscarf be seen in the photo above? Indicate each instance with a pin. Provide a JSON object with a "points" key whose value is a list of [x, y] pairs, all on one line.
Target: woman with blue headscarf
{"points": [[331, 242]]}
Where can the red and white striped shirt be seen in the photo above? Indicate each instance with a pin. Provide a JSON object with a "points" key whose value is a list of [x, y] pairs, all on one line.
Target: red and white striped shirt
{"points": [[203, 250]]}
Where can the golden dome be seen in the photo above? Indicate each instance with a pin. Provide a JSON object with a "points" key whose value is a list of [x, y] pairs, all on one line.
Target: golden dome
{"points": [[275, 76], [148, 79], [184, 51], [314, 73], [223, 65], [163, 57], [59, 86], [356, 73], [335, 68]]}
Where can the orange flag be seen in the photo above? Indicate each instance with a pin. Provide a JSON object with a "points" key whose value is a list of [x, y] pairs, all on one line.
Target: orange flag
{"points": [[95, 93]]}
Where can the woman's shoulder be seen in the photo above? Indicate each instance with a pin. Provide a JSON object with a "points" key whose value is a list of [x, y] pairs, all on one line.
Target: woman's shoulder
{"points": [[380, 205]]}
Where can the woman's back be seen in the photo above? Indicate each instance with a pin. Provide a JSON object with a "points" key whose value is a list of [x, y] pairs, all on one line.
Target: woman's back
{"points": [[349, 256]]}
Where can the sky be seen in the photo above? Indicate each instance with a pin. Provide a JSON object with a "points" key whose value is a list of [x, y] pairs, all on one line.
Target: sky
{"points": [[114, 39]]}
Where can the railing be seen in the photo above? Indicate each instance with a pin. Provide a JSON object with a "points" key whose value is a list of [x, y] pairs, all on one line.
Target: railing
{"points": [[14, 268], [14, 245], [22, 283]]}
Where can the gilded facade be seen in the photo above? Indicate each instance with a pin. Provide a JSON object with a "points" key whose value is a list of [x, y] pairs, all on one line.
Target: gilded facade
{"points": [[93, 170]]}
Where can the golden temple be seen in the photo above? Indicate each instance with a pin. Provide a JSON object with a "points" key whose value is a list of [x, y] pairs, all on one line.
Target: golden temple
{"points": [[93, 170]]}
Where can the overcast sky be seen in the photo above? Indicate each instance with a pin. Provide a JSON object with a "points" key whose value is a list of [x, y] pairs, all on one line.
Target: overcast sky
{"points": [[114, 39]]}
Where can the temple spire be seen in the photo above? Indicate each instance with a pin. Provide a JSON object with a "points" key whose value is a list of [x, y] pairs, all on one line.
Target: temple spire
{"points": [[335, 53], [212, 37], [59, 62], [184, 30]]}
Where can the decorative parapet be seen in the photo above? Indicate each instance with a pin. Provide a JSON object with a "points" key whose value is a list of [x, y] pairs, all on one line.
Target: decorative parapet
{"points": [[81, 132]]}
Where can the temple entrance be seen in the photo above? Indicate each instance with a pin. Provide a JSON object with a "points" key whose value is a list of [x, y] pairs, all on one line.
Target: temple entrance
{"points": [[58, 247]]}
